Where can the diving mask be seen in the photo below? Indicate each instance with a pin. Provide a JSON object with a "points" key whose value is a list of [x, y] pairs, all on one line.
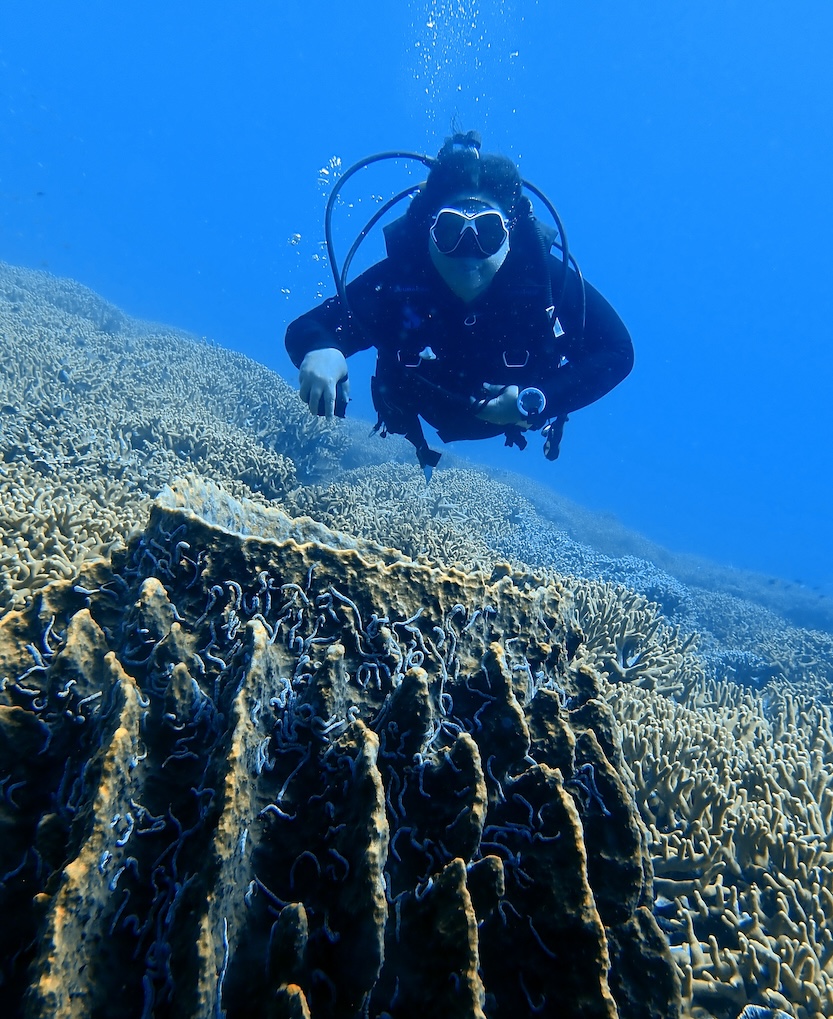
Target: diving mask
{"points": [[477, 234]]}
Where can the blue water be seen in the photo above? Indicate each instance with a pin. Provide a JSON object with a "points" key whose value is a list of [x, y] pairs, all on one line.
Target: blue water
{"points": [[169, 155]]}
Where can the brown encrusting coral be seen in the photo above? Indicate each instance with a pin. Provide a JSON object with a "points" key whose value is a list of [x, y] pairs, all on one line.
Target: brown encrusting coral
{"points": [[275, 773]]}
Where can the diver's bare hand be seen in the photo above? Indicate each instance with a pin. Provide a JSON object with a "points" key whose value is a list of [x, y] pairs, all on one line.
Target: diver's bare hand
{"points": [[502, 409], [324, 383]]}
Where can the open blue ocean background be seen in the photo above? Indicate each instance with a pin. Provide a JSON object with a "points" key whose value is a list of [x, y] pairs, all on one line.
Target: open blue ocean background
{"points": [[176, 158]]}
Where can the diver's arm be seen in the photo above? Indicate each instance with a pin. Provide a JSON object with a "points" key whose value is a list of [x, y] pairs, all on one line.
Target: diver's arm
{"points": [[323, 327], [502, 408], [319, 346], [327, 324], [593, 363]]}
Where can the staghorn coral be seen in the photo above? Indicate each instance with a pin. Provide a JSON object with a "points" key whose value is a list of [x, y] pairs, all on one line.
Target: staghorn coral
{"points": [[593, 544], [278, 773], [625, 634], [737, 794], [419, 519], [753, 645], [98, 411]]}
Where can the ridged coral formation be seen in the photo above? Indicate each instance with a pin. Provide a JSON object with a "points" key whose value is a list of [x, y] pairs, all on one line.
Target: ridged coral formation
{"points": [[276, 774], [443, 759], [471, 519]]}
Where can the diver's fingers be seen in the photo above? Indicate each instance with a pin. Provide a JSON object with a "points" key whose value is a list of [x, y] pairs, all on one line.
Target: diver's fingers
{"points": [[315, 391], [311, 387], [342, 397], [320, 372], [326, 402]]}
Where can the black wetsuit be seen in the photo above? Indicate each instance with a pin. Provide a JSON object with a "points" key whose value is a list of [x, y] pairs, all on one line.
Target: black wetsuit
{"points": [[435, 351]]}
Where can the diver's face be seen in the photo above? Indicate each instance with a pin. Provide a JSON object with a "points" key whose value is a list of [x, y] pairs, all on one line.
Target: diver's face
{"points": [[468, 243]]}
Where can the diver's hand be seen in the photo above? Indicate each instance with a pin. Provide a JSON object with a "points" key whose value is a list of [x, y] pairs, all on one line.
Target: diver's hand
{"points": [[325, 388], [502, 409]]}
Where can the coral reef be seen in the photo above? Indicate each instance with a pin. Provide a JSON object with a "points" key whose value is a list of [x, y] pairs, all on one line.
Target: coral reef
{"points": [[733, 785], [447, 521], [289, 771], [738, 797], [367, 747], [597, 544], [98, 411], [469, 518]]}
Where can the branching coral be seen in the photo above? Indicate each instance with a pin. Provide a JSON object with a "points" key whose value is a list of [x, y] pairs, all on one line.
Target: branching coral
{"points": [[98, 412], [625, 635], [392, 504], [738, 799]]}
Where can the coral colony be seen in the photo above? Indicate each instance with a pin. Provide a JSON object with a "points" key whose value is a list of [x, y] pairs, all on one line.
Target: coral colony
{"points": [[362, 748]]}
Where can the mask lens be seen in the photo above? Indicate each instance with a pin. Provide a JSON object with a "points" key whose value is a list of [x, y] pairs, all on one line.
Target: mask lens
{"points": [[448, 229], [491, 231]]}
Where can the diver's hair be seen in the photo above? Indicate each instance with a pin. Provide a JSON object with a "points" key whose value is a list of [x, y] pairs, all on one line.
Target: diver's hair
{"points": [[460, 167]]}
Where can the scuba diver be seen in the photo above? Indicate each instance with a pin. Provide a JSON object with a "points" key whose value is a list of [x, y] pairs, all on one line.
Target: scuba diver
{"points": [[479, 329]]}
